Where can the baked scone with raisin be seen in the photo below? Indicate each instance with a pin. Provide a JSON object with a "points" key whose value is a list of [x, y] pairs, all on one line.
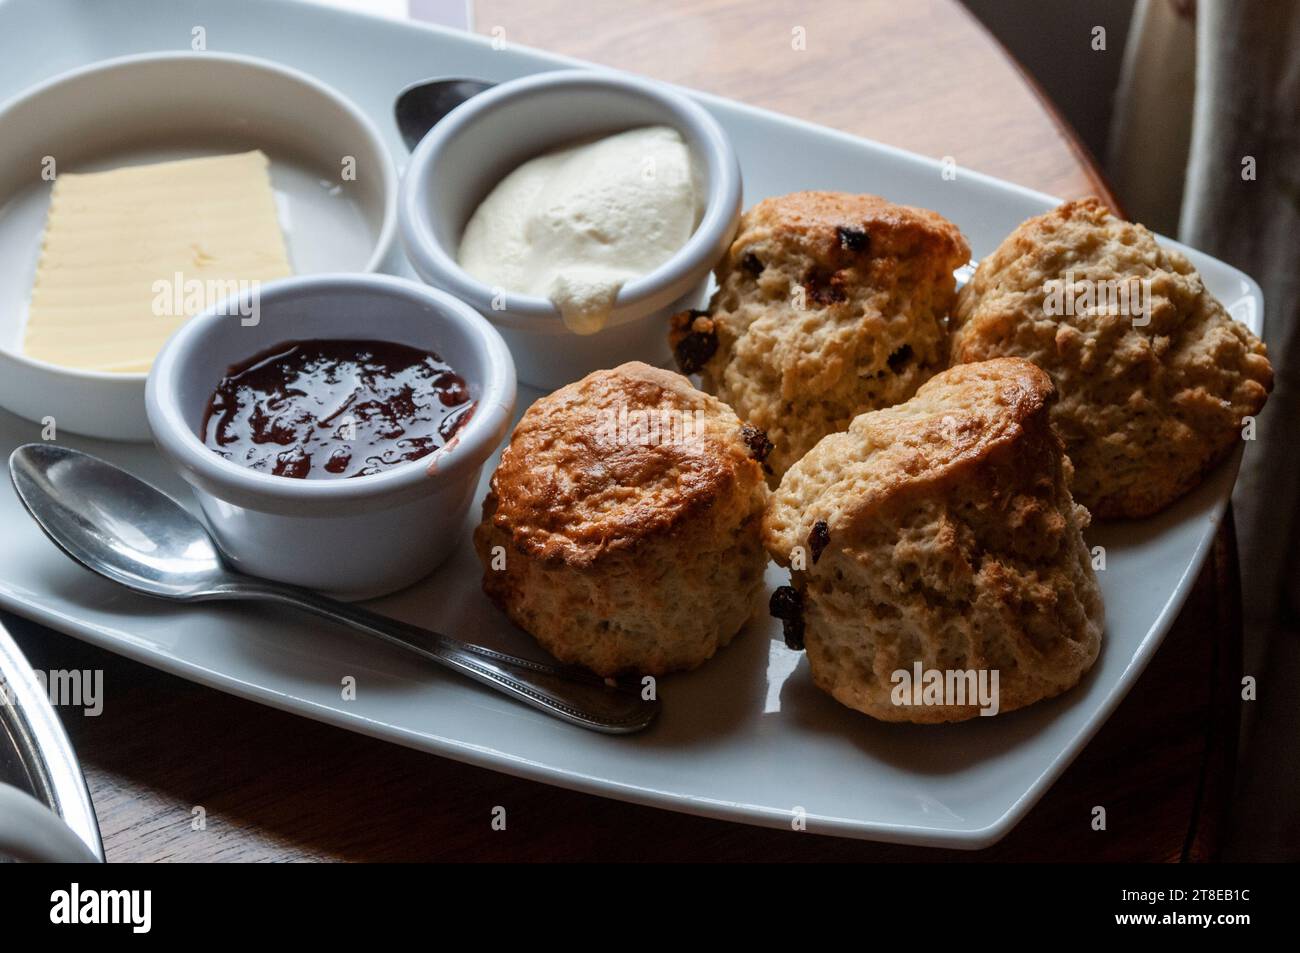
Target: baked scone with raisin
{"points": [[1155, 376], [828, 305], [940, 532], [623, 526]]}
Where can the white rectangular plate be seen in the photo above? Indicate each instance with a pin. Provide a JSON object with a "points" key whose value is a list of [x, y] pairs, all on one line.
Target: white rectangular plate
{"points": [[747, 737]]}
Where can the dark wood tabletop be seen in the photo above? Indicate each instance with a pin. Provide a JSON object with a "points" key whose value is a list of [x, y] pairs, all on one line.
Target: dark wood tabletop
{"points": [[181, 772]]}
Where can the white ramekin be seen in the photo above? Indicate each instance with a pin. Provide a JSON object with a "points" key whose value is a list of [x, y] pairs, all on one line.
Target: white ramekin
{"points": [[353, 538], [149, 106], [482, 140]]}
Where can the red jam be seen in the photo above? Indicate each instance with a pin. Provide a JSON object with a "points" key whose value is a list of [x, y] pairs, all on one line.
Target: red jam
{"points": [[326, 410]]}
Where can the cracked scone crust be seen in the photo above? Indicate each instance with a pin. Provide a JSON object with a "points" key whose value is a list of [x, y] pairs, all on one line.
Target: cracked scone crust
{"points": [[828, 305], [1144, 411], [942, 531], [626, 547]]}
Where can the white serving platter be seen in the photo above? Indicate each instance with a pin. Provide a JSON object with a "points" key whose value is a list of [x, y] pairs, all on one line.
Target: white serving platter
{"points": [[747, 737]]}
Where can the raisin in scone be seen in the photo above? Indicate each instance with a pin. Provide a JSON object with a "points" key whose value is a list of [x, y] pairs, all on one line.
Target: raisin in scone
{"points": [[623, 527], [939, 531], [828, 305], [1154, 375]]}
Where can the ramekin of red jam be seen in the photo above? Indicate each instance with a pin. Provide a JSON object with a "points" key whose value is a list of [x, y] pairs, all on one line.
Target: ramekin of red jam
{"points": [[337, 439], [324, 410]]}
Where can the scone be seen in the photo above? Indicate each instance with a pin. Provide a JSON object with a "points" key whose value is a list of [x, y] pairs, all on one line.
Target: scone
{"points": [[939, 532], [623, 527], [1154, 375], [828, 305]]}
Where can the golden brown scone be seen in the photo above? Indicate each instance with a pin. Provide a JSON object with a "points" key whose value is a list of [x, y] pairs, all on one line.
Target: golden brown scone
{"points": [[828, 305], [628, 508], [1145, 410], [939, 531]]}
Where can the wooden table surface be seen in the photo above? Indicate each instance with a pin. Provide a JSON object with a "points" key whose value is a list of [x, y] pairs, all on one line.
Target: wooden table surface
{"points": [[271, 786]]}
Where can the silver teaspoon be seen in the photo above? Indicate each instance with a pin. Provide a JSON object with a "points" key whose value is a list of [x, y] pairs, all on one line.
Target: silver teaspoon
{"points": [[127, 531]]}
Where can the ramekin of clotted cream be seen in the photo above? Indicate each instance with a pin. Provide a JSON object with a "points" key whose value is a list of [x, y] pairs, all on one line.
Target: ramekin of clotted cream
{"points": [[576, 224], [567, 199]]}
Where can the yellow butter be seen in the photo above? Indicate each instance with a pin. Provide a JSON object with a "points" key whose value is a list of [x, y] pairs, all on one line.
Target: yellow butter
{"points": [[130, 255]]}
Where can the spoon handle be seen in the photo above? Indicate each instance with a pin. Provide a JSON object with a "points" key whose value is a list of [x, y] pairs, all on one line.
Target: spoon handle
{"points": [[569, 694]]}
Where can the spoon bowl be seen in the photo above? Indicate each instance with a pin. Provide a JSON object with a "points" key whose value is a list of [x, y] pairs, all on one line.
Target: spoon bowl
{"points": [[422, 105], [116, 525]]}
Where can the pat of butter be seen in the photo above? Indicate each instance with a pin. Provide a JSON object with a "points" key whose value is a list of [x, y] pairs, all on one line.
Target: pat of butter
{"points": [[131, 254]]}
